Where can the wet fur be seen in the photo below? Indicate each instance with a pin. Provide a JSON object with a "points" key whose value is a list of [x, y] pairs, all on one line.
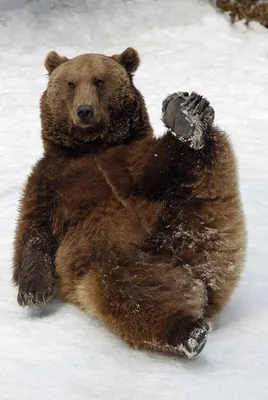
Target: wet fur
{"points": [[146, 234]]}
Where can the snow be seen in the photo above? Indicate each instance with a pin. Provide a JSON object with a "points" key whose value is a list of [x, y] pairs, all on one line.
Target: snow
{"points": [[58, 351]]}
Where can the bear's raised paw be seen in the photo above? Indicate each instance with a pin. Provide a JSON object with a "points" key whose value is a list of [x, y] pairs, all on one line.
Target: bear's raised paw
{"points": [[188, 116]]}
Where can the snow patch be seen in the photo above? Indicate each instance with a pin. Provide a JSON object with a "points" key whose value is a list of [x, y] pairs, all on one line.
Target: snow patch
{"points": [[184, 45]]}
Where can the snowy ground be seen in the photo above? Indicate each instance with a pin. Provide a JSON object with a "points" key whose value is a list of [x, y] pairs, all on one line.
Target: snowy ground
{"points": [[59, 352]]}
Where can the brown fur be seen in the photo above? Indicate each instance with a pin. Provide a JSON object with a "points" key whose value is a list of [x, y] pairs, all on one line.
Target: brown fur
{"points": [[146, 234], [248, 10]]}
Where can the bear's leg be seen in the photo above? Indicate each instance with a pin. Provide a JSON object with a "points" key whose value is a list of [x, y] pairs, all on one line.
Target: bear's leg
{"points": [[156, 306], [202, 215], [34, 269]]}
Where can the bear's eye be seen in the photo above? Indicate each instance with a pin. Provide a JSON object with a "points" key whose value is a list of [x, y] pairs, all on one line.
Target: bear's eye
{"points": [[98, 83], [72, 84]]}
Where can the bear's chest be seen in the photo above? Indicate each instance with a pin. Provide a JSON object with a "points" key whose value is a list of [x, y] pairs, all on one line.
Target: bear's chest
{"points": [[82, 189]]}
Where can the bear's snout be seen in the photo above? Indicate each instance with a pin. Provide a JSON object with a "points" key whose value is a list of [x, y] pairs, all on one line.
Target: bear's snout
{"points": [[85, 113]]}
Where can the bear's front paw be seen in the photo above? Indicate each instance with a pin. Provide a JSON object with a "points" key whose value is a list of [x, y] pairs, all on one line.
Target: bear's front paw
{"points": [[36, 287], [35, 292], [188, 116]]}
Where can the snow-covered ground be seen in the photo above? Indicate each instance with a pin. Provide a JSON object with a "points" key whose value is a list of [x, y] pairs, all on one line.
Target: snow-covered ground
{"points": [[59, 352]]}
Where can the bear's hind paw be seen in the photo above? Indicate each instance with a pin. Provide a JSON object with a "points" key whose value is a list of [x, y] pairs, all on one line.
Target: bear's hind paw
{"points": [[195, 342]]}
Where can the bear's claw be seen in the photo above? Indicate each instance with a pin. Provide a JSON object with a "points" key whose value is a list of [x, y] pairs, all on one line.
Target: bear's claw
{"points": [[35, 293], [33, 299]]}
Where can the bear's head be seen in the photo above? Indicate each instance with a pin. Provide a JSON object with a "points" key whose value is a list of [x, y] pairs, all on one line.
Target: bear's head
{"points": [[92, 99]]}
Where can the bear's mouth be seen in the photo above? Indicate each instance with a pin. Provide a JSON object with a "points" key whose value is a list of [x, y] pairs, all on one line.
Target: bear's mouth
{"points": [[89, 132], [90, 126], [83, 125]]}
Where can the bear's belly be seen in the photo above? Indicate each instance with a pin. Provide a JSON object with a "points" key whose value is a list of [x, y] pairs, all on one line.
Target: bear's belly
{"points": [[107, 229]]}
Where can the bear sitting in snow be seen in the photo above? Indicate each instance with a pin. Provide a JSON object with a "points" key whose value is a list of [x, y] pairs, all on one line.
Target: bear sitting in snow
{"points": [[146, 234]]}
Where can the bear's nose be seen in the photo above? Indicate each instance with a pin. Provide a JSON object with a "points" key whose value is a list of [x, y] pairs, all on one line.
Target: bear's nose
{"points": [[85, 112]]}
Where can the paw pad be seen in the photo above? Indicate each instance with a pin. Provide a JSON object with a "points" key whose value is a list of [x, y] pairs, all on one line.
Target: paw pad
{"points": [[188, 116]]}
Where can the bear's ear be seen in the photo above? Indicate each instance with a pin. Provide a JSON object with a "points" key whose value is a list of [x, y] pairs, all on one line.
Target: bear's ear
{"points": [[53, 60], [129, 59]]}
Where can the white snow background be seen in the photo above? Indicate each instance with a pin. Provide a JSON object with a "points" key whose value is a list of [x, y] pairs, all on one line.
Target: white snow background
{"points": [[59, 352]]}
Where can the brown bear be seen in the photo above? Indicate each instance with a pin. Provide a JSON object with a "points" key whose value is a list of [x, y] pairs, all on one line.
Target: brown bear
{"points": [[146, 234]]}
